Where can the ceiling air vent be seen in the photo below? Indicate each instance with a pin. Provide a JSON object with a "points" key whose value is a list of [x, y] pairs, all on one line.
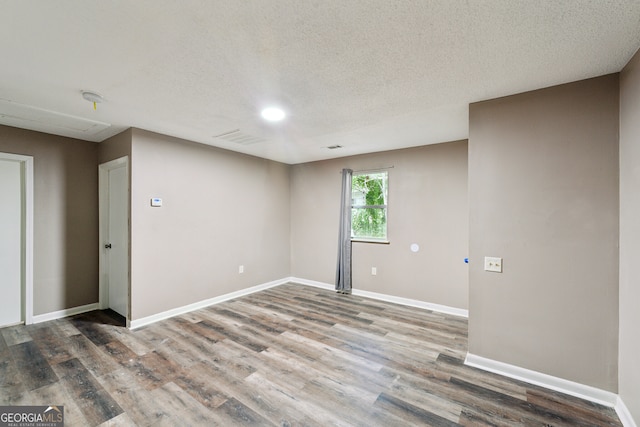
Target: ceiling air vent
{"points": [[240, 138], [333, 147]]}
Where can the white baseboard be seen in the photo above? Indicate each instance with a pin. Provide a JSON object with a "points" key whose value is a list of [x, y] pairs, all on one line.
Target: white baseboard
{"points": [[582, 391], [133, 324], [64, 313], [202, 304], [389, 298], [623, 413], [313, 283], [413, 303], [216, 300]]}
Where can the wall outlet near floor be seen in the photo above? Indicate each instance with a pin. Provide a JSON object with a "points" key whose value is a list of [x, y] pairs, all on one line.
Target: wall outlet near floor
{"points": [[374, 271], [493, 264], [241, 269]]}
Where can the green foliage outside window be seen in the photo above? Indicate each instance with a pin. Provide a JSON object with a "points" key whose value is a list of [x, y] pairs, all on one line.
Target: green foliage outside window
{"points": [[369, 206]]}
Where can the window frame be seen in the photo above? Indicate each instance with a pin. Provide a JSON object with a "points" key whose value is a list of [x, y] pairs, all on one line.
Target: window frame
{"points": [[385, 207]]}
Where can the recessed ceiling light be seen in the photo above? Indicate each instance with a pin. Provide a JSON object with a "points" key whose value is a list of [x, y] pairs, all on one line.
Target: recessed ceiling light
{"points": [[273, 114]]}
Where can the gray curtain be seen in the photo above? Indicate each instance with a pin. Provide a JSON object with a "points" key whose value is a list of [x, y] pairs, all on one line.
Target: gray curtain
{"points": [[343, 271]]}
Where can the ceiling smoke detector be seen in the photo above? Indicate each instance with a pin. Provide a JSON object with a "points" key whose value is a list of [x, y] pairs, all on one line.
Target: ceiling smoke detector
{"points": [[93, 97]]}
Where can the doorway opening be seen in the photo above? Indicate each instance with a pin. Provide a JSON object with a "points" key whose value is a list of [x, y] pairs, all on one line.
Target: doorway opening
{"points": [[114, 237], [16, 241]]}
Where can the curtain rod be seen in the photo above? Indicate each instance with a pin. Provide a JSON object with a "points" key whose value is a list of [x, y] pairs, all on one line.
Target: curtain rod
{"points": [[373, 170]]}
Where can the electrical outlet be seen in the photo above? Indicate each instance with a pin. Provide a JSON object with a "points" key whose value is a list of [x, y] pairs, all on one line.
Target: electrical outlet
{"points": [[374, 271], [493, 264], [241, 269]]}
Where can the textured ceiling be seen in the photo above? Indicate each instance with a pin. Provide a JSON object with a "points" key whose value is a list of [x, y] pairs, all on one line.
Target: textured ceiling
{"points": [[367, 75]]}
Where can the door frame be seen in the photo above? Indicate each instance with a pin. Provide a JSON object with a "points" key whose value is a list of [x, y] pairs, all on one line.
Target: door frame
{"points": [[26, 163], [103, 203]]}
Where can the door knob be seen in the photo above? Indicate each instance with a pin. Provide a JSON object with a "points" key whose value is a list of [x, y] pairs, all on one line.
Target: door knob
{"points": [[107, 246]]}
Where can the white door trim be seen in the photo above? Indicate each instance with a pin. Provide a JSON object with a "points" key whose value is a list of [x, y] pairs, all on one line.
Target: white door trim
{"points": [[27, 242], [103, 200]]}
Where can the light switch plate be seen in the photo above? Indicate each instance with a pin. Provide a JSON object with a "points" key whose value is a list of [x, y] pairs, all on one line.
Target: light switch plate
{"points": [[156, 202], [493, 264]]}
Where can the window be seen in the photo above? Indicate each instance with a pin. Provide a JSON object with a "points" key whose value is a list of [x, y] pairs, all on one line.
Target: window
{"points": [[369, 206]]}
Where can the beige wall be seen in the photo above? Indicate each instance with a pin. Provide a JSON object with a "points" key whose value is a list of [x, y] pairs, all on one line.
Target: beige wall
{"points": [[629, 369], [543, 186], [115, 147], [65, 217], [427, 206], [220, 210]]}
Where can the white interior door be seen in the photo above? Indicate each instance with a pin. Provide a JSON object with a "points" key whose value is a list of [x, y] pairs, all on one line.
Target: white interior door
{"points": [[115, 236], [11, 264]]}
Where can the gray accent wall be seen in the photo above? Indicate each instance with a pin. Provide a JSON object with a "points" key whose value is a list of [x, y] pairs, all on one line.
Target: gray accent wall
{"points": [[543, 195], [629, 368], [427, 206], [65, 217], [220, 210]]}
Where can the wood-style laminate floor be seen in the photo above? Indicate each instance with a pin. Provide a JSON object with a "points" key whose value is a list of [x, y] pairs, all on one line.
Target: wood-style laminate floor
{"points": [[289, 356]]}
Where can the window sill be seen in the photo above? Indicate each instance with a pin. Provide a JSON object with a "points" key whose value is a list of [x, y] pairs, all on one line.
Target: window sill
{"points": [[361, 240]]}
